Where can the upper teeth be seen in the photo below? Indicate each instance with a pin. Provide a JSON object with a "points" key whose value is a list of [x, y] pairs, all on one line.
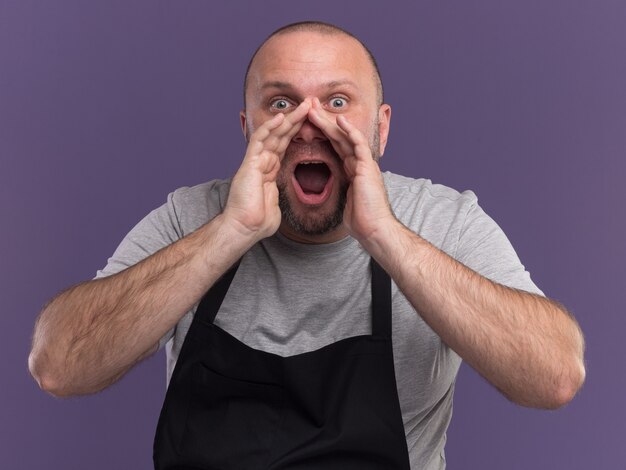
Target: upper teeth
{"points": [[309, 162]]}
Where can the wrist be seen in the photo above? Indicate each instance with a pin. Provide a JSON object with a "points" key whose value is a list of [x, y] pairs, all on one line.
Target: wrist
{"points": [[397, 249], [221, 243], [383, 240], [240, 233], [235, 235]]}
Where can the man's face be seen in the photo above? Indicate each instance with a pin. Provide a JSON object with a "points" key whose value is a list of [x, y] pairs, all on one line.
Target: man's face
{"points": [[335, 69]]}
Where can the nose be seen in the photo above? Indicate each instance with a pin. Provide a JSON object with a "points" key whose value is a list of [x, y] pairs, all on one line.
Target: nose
{"points": [[309, 133]]}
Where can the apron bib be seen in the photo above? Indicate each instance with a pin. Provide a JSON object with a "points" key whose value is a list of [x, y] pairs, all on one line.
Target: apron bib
{"points": [[231, 407]]}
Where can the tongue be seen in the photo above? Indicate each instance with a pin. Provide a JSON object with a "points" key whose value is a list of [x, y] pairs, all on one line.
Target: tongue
{"points": [[312, 177]]}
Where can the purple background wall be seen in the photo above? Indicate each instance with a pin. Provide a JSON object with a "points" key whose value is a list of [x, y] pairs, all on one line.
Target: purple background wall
{"points": [[105, 107]]}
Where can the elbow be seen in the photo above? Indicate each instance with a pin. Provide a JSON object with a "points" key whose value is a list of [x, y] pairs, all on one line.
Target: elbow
{"points": [[571, 384], [566, 388], [40, 374], [572, 372], [561, 390], [44, 375], [41, 360], [47, 361]]}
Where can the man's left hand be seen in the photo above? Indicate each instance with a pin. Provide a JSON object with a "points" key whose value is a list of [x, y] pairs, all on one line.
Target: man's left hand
{"points": [[367, 207]]}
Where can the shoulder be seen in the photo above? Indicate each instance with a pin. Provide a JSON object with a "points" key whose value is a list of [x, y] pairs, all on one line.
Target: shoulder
{"points": [[209, 192], [435, 212], [415, 199], [193, 206], [186, 209], [403, 186]]}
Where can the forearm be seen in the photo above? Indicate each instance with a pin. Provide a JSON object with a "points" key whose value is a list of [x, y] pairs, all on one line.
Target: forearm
{"points": [[91, 334], [527, 346]]}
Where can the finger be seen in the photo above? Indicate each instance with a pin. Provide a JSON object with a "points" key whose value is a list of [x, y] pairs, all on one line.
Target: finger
{"points": [[293, 121], [270, 135], [356, 137], [338, 138], [281, 137], [300, 113], [267, 127]]}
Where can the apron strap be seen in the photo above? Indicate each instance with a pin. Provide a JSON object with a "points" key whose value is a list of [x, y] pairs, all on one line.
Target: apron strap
{"points": [[381, 301], [212, 300]]}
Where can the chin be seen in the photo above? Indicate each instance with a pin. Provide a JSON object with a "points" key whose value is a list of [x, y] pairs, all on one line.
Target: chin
{"points": [[312, 220]]}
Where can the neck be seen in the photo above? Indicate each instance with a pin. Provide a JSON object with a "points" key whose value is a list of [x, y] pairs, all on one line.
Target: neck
{"points": [[330, 237]]}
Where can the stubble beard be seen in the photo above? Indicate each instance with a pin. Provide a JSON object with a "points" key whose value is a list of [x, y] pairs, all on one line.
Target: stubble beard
{"points": [[312, 225], [318, 224]]}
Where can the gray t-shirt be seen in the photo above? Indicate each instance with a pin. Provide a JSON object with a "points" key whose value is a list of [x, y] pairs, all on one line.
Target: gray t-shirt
{"points": [[288, 298]]}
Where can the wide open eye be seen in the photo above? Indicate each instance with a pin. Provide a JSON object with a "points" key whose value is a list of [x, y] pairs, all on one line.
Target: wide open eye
{"points": [[338, 102], [280, 104]]}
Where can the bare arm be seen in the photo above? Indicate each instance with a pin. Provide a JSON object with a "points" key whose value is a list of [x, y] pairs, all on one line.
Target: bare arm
{"points": [[527, 346], [90, 335]]}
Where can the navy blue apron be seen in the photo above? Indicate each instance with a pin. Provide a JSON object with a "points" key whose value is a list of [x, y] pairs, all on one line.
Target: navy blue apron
{"points": [[231, 407]]}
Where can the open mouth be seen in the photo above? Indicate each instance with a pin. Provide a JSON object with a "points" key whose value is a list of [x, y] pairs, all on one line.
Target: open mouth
{"points": [[312, 182]]}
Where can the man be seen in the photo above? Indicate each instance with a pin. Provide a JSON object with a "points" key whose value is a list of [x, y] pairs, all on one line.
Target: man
{"points": [[303, 354]]}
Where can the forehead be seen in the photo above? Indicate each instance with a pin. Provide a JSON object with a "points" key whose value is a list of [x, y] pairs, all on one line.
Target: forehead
{"points": [[309, 59]]}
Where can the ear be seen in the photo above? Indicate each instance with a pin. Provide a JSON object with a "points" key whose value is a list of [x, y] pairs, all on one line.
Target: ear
{"points": [[384, 119], [244, 125]]}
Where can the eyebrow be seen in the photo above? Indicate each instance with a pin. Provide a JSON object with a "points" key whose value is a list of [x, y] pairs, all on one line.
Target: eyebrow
{"points": [[288, 86]]}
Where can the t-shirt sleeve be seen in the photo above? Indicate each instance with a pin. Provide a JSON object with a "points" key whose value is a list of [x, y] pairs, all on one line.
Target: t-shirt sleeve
{"points": [[158, 229], [484, 248]]}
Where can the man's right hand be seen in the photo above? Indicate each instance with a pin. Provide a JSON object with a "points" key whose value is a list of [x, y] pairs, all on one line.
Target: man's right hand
{"points": [[252, 206], [90, 335]]}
